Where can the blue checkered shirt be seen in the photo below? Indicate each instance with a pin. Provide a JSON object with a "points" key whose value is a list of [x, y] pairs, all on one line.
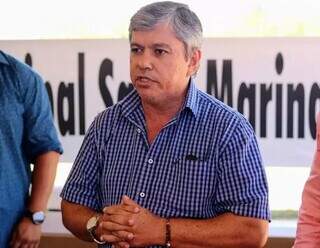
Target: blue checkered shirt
{"points": [[203, 163]]}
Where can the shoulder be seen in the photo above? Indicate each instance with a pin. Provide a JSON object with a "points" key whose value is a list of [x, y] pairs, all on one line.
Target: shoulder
{"points": [[21, 74], [108, 114], [19, 67], [218, 112], [103, 125], [221, 122], [121, 109], [106, 120]]}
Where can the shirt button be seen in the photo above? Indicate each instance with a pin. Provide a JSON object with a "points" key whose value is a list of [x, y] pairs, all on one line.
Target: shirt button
{"points": [[138, 130], [142, 194], [150, 161]]}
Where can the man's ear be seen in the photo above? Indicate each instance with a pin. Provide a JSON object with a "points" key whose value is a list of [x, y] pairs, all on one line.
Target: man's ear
{"points": [[194, 62]]}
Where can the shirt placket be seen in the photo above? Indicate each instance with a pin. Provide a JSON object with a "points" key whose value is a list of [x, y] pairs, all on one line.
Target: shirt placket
{"points": [[144, 172]]}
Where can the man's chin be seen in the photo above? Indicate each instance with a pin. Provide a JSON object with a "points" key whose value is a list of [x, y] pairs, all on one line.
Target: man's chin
{"points": [[149, 98], [144, 91]]}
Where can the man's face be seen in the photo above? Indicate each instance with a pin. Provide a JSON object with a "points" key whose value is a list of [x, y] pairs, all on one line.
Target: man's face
{"points": [[159, 68]]}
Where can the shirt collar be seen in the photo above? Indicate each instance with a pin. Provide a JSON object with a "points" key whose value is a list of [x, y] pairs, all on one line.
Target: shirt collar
{"points": [[132, 101], [192, 98], [3, 59]]}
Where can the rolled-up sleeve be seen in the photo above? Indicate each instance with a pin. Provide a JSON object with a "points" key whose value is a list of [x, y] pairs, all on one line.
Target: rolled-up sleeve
{"points": [[40, 132]]}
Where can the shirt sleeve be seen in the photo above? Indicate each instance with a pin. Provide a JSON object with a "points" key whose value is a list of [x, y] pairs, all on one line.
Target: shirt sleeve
{"points": [[308, 228], [40, 135], [82, 185], [242, 186]]}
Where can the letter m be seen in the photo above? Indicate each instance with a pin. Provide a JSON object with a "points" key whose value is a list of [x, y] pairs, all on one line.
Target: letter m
{"points": [[225, 95]]}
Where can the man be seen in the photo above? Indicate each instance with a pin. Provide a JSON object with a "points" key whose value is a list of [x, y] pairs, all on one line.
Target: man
{"points": [[308, 229], [169, 166], [27, 135]]}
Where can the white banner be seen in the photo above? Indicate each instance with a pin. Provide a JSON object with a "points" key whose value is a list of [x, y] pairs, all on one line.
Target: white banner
{"points": [[273, 81]]}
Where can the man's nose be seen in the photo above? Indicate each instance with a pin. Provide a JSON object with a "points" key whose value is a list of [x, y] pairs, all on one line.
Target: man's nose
{"points": [[145, 61]]}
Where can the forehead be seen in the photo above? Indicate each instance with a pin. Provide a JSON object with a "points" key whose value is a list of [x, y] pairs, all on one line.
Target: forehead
{"points": [[159, 34]]}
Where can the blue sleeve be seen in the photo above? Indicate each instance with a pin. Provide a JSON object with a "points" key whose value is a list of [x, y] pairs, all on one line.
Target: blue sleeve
{"points": [[82, 185], [40, 135], [242, 187]]}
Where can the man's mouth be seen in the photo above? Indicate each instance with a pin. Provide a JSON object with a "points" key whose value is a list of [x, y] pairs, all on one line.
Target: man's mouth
{"points": [[144, 79]]}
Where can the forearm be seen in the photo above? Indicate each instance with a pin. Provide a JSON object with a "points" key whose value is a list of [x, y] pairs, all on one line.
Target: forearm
{"points": [[42, 180], [227, 230], [308, 228], [75, 217]]}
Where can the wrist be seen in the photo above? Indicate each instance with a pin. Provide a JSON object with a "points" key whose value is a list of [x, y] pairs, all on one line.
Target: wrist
{"points": [[36, 217], [92, 227], [168, 233], [35, 204], [97, 232], [160, 237]]}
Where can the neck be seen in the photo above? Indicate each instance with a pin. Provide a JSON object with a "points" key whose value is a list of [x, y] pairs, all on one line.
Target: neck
{"points": [[163, 111], [157, 116]]}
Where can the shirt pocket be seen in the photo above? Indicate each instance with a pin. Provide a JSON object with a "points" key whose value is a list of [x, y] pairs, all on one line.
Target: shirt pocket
{"points": [[192, 185]]}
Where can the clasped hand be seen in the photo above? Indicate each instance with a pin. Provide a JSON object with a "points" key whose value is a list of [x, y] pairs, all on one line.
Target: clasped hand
{"points": [[129, 225]]}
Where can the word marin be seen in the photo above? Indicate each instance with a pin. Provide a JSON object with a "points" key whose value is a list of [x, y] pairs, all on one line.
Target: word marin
{"points": [[247, 93]]}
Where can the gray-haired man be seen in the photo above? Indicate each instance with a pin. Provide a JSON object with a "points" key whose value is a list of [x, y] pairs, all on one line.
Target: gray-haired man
{"points": [[168, 166]]}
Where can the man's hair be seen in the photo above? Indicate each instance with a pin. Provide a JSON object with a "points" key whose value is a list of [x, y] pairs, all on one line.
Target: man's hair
{"points": [[184, 22]]}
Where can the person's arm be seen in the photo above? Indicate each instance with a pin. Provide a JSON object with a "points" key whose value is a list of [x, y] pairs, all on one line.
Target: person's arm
{"points": [[76, 216], [43, 176], [42, 182], [226, 230], [308, 228]]}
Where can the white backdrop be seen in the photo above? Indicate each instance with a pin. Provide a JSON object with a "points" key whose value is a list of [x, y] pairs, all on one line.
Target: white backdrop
{"points": [[82, 72]]}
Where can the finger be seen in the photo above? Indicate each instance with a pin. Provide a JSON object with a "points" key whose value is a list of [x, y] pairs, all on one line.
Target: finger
{"points": [[111, 227], [31, 244], [121, 209], [110, 238], [25, 245], [124, 235], [36, 244], [116, 218], [122, 245], [124, 220], [115, 209], [129, 202], [16, 244], [13, 239]]}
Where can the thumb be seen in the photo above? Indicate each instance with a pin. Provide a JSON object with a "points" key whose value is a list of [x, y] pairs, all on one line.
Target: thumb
{"points": [[126, 200]]}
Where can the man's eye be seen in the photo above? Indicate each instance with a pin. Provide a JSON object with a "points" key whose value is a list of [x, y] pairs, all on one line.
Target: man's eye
{"points": [[136, 50], [160, 51]]}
